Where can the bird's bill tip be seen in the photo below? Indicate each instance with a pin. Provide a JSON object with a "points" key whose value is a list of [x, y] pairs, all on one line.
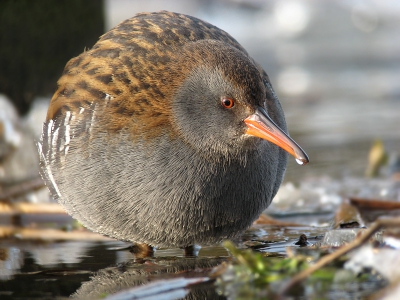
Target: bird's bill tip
{"points": [[261, 125]]}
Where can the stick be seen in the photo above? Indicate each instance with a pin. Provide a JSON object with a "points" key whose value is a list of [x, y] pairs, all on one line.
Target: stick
{"points": [[21, 188], [358, 241], [23, 208]]}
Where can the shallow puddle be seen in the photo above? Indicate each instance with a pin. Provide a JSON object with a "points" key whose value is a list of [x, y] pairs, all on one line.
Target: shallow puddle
{"points": [[96, 269], [32, 269], [40, 259]]}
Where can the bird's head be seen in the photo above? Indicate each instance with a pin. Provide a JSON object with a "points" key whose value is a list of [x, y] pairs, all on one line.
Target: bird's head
{"points": [[226, 102]]}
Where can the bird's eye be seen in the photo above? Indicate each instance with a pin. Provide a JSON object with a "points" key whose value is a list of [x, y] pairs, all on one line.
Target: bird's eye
{"points": [[227, 102]]}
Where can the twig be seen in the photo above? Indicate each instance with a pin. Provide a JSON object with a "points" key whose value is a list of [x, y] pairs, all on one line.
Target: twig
{"points": [[41, 234], [268, 220], [359, 241], [21, 188], [375, 203], [23, 208]]}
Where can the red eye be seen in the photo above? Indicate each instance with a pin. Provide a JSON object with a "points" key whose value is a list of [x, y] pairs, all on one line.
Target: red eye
{"points": [[227, 102]]}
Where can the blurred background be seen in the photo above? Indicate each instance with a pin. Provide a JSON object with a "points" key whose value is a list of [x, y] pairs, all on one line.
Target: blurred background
{"points": [[335, 66]]}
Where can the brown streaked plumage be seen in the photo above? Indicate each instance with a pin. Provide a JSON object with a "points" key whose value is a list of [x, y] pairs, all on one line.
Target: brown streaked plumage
{"points": [[136, 82], [161, 134]]}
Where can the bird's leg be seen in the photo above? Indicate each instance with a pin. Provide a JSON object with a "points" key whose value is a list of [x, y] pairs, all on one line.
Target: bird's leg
{"points": [[142, 250], [192, 250]]}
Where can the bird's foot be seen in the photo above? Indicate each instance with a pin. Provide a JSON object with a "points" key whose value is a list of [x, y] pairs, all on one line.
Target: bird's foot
{"points": [[192, 250], [142, 250]]}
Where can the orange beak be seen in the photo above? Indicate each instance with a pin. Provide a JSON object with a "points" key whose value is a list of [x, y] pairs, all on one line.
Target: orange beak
{"points": [[261, 125]]}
